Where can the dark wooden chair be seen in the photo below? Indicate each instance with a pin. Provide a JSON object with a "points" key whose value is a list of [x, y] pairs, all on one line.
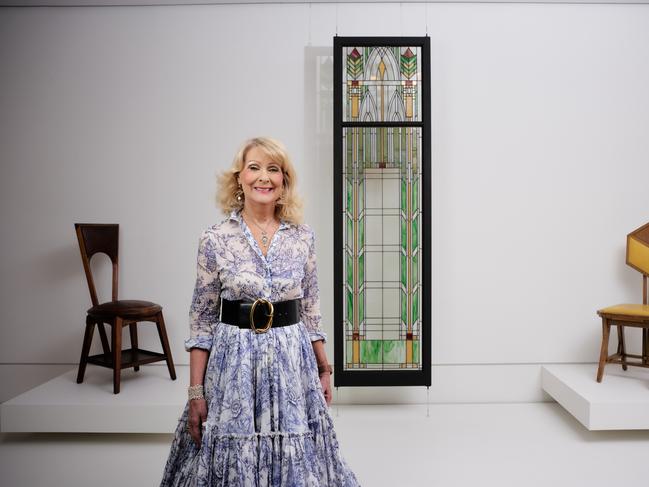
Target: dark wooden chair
{"points": [[94, 238], [633, 315]]}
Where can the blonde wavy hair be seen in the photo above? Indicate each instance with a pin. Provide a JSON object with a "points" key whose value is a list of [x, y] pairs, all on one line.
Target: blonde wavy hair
{"points": [[288, 207]]}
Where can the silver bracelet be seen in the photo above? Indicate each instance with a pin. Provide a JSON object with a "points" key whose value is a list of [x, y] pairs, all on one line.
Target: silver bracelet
{"points": [[195, 392]]}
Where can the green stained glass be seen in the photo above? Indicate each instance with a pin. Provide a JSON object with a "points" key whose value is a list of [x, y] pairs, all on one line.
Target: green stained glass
{"points": [[361, 306], [350, 271], [404, 307], [371, 351], [394, 351], [404, 194], [361, 268], [415, 306], [408, 63], [415, 268], [350, 306], [415, 352], [350, 192], [361, 197], [361, 298], [415, 234], [415, 195], [350, 232], [354, 64]]}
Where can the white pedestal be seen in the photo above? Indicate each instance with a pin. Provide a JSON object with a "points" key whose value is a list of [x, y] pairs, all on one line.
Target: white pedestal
{"points": [[149, 402], [619, 402]]}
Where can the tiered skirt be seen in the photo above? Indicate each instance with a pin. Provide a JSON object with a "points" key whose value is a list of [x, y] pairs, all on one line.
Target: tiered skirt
{"points": [[267, 425]]}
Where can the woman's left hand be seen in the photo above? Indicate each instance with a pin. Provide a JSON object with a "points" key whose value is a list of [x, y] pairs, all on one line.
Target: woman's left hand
{"points": [[325, 382]]}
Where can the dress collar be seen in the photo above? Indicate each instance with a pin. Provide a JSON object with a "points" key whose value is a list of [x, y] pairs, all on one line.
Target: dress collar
{"points": [[236, 216]]}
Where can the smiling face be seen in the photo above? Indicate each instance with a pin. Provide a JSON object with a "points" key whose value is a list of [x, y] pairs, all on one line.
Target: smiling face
{"points": [[261, 179]]}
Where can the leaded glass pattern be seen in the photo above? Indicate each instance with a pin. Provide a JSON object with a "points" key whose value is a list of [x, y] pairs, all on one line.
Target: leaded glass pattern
{"points": [[381, 248], [382, 83], [382, 153]]}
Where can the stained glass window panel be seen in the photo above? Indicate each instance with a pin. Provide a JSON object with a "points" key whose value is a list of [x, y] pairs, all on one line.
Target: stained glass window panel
{"points": [[382, 211], [381, 271], [382, 84]]}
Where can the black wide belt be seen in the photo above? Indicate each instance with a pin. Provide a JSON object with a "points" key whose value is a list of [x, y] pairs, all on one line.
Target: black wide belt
{"points": [[260, 315]]}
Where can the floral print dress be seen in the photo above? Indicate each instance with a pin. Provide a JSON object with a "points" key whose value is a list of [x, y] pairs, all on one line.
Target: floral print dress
{"points": [[267, 421]]}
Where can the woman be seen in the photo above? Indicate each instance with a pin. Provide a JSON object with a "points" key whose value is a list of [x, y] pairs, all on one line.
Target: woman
{"points": [[259, 376]]}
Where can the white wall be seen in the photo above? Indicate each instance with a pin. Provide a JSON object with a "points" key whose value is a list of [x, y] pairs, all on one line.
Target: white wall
{"points": [[125, 114]]}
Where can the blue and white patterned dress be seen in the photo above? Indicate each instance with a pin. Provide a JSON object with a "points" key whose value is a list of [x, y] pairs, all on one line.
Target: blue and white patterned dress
{"points": [[267, 422]]}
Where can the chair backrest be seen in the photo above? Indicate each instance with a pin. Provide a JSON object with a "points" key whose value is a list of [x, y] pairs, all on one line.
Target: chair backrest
{"points": [[94, 238], [637, 255]]}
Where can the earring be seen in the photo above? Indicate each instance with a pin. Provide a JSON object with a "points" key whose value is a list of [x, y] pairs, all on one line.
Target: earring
{"points": [[239, 194]]}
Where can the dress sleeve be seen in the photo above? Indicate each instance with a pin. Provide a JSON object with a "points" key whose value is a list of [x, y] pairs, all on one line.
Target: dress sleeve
{"points": [[204, 310], [310, 303]]}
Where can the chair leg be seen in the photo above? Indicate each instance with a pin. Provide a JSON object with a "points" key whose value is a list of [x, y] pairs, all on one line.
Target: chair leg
{"points": [[132, 328], [162, 333], [104, 338], [621, 348], [117, 352], [603, 354], [645, 346], [85, 349]]}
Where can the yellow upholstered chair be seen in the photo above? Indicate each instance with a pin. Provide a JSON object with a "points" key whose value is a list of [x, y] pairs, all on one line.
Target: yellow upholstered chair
{"points": [[635, 315]]}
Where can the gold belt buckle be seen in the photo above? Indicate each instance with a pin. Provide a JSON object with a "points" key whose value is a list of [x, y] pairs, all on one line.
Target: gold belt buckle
{"points": [[269, 323]]}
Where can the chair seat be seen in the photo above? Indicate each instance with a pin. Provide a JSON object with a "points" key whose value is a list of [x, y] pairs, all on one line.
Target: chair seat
{"points": [[639, 310], [126, 308]]}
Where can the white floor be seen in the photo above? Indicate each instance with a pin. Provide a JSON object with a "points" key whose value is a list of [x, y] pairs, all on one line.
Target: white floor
{"points": [[533, 444]]}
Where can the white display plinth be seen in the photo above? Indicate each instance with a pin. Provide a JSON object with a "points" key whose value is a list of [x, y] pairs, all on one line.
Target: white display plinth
{"points": [[619, 402], [149, 402]]}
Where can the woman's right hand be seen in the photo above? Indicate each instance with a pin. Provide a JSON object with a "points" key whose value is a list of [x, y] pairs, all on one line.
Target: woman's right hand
{"points": [[195, 418]]}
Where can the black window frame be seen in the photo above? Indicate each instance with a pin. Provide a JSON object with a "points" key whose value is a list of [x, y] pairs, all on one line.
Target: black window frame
{"points": [[342, 377]]}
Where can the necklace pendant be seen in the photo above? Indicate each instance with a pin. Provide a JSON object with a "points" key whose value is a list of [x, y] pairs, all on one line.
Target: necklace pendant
{"points": [[264, 240]]}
